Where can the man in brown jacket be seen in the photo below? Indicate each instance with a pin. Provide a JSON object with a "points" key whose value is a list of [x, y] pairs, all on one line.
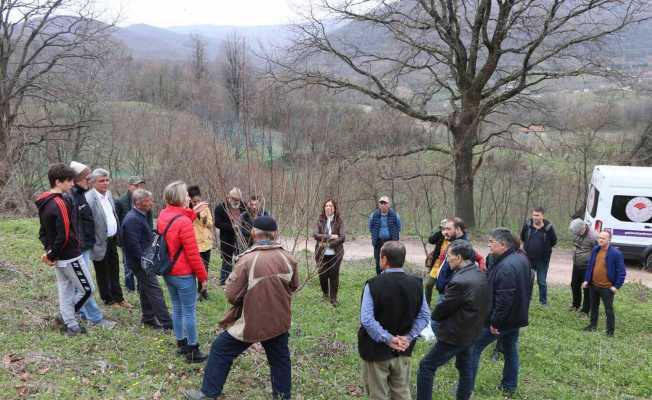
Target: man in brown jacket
{"points": [[260, 289]]}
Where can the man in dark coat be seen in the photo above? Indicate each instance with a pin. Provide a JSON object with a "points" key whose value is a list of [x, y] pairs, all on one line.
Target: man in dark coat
{"points": [[228, 220], [86, 237], [136, 238], [122, 207], [461, 315], [510, 290]]}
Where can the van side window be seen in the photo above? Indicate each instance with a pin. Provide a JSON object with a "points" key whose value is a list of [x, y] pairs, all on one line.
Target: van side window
{"points": [[619, 209], [592, 201]]}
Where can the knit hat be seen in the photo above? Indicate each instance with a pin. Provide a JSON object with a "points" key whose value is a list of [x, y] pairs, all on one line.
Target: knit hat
{"points": [[384, 199], [78, 167], [265, 223], [576, 226]]}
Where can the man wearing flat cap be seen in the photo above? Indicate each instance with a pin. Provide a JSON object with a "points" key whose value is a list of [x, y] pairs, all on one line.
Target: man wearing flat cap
{"points": [[260, 291], [122, 206]]}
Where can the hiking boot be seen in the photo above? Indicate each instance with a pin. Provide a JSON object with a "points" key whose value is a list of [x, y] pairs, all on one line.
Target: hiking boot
{"points": [[74, 331], [589, 328], [194, 355], [104, 323], [182, 347], [196, 395]]}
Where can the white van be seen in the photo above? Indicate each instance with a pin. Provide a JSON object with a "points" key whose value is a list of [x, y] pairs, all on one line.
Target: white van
{"points": [[620, 200]]}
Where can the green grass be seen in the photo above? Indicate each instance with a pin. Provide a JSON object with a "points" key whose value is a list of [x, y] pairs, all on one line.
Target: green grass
{"points": [[558, 360]]}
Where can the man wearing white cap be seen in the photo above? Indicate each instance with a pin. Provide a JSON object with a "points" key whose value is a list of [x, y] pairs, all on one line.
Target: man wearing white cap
{"points": [[384, 225], [86, 235]]}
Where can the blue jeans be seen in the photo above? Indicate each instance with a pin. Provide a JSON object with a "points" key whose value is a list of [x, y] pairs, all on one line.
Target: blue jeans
{"points": [[541, 269], [90, 310], [439, 355], [509, 338], [183, 294], [226, 348]]}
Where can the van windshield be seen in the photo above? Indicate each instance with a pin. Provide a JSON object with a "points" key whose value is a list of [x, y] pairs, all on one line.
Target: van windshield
{"points": [[632, 208], [592, 201]]}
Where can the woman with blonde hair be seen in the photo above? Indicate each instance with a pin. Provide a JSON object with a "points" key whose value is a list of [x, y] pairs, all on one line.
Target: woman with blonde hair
{"points": [[175, 222]]}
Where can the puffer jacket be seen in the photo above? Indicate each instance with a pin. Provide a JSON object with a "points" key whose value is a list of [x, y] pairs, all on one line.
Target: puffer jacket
{"points": [[260, 289], [181, 233]]}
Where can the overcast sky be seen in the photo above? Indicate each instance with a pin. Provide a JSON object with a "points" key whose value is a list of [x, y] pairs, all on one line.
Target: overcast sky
{"points": [[165, 13]]}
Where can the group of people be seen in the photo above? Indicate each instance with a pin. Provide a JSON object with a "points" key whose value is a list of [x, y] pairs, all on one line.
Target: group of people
{"points": [[480, 301], [80, 221]]}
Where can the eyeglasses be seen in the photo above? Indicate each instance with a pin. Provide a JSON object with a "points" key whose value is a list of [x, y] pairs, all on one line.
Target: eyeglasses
{"points": [[382, 202]]}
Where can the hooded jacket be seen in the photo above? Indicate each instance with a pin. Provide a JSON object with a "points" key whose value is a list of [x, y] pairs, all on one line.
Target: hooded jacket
{"points": [[84, 215], [58, 226]]}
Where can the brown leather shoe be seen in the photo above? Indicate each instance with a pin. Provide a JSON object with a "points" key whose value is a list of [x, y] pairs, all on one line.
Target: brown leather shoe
{"points": [[126, 305]]}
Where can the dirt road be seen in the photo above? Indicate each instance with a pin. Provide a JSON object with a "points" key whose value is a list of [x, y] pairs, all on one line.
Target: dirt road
{"points": [[558, 274]]}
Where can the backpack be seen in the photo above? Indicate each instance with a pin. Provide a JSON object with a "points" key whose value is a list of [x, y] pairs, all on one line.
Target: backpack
{"points": [[156, 260]]}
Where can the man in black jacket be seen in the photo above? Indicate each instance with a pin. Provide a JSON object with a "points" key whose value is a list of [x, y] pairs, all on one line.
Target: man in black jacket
{"points": [[122, 206], [136, 238], [510, 290], [539, 237], [86, 235], [228, 220], [461, 315]]}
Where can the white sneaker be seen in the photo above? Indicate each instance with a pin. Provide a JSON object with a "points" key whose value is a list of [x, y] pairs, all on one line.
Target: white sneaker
{"points": [[104, 323]]}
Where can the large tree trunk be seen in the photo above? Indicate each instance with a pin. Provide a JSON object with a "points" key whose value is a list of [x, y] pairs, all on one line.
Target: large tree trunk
{"points": [[463, 139]]}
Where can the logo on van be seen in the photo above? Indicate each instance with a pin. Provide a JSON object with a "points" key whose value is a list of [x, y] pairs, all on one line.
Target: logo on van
{"points": [[639, 209]]}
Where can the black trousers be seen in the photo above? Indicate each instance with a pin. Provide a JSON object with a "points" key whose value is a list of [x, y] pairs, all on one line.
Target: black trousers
{"points": [[329, 276], [152, 303], [107, 272], [227, 251], [377, 247], [206, 258], [607, 296], [580, 296]]}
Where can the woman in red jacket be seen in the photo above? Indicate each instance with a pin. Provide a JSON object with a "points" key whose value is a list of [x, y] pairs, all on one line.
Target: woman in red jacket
{"points": [[186, 271]]}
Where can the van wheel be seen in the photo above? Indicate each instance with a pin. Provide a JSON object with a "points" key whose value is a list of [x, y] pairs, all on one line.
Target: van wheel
{"points": [[648, 263]]}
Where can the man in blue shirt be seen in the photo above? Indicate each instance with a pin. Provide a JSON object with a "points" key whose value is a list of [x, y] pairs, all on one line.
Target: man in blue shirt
{"points": [[384, 225], [394, 311]]}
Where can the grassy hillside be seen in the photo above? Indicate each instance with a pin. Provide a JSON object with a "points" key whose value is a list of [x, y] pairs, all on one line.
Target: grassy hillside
{"points": [[558, 361]]}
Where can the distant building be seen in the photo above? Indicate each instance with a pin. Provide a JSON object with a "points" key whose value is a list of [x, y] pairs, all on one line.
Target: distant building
{"points": [[533, 129]]}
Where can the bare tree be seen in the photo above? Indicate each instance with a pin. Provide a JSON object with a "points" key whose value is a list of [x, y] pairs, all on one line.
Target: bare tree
{"points": [[37, 39], [236, 80], [198, 57], [453, 62]]}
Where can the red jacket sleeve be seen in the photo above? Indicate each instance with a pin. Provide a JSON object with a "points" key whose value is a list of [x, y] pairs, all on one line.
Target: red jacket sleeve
{"points": [[481, 263], [187, 236]]}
